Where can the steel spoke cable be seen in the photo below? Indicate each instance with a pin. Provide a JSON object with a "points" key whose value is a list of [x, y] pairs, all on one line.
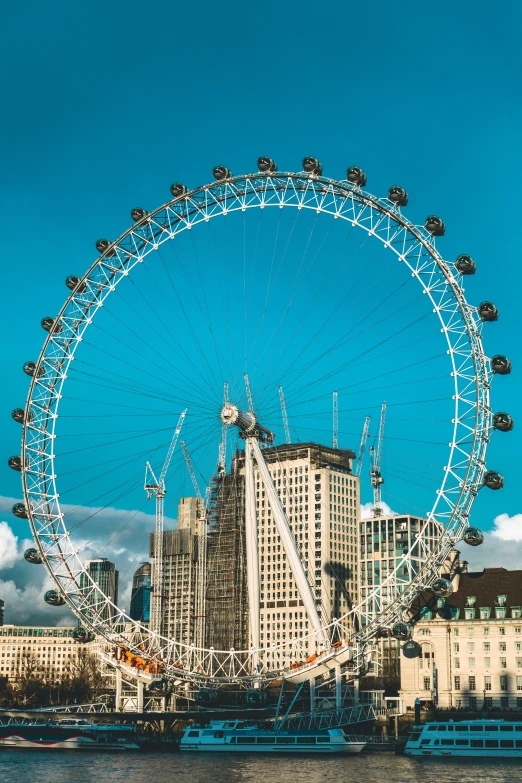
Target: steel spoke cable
{"points": [[165, 326]]}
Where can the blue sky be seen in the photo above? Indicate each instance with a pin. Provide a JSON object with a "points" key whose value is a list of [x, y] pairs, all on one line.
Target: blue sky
{"points": [[106, 104]]}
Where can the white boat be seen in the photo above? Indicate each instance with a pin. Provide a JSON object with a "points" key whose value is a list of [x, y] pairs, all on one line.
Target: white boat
{"points": [[235, 736], [67, 734], [473, 738]]}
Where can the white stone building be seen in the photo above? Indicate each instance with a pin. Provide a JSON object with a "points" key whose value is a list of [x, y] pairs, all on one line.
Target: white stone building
{"points": [[52, 651], [321, 500], [471, 645]]}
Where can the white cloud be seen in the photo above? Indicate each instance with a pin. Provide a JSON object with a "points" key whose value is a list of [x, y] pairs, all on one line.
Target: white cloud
{"points": [[8, 546], [367, 510], [508, 528]]}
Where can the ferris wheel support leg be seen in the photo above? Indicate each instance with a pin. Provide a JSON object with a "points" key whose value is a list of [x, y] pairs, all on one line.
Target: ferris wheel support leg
{"points": [[289, 545], [252, 552], [140, 689], [312, 694], [117, 705], [338, 682]]}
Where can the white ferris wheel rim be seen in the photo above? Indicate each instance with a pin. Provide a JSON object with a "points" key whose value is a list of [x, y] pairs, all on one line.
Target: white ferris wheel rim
{"points": [[339, 199]]}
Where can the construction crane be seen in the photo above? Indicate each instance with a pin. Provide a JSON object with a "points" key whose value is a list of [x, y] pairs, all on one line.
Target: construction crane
{"points": [[375, 465], [285, 415], [364, 437], [156, 487], [201, 565], [249, 394], [335, 439], [190, 469]]}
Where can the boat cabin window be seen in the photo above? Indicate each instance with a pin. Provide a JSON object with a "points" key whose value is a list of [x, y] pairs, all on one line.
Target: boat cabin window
{"points": [[245, 740], [461, 728], [306, 740], [230, 725], [193, 733], [241, 725], [462, 742], [476, 743], [491, 728], [266, 740], [323, 739], [518, 743], [476, 728], [491, 743], [518, 727], [425, 742], [432, 728], [219, 734], [441, 728], [507, 728], [507, 743], [286, 740]]}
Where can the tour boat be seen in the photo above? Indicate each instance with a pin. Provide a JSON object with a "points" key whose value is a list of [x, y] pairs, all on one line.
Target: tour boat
{"points": [[473, 738], [67, 734], [235, 736]]}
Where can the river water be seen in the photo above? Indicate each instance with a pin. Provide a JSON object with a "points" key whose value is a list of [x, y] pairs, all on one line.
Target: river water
{"points": [[18, 766]]}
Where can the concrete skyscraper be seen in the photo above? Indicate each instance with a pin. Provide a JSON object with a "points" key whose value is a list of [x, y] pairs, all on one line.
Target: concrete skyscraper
{"points": [[105, 575]]}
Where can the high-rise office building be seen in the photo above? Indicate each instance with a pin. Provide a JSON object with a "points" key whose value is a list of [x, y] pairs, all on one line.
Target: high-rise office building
{"points": [[2, 611], [320, 496], [179, 574], [190, 512], [140, 596], [105, 575], [383, 543]]}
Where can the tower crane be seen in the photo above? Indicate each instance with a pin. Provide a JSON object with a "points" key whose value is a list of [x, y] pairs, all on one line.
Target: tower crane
{"points": [[335, 439], [284, 414], [222, 459], [156, 487], [362, 446], [201, 566], [375, 465], [190, 469]]}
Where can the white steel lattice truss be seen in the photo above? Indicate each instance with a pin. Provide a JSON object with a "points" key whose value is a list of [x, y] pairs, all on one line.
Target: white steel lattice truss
{"points": [[463, 474]]}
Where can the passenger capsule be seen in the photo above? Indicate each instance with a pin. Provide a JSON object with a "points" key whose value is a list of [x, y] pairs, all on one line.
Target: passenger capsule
{"points": [[33, 556], [503, 422], [178, 190], [51, 325], [312, 166], [221, 172], [19, 415], [138, 214], [487, 311], [20, 511], [435, 226], [473, 536], [442, 588], [15, 463], [398, 196], [30, 369], [356, 175], [411, 649], [256, 696], [82, 635], [206, 696], [402, 631], [103, 245], [493, 479], [266, 165], [466, 265], [53, 598], [76, 284], [500, 364]]}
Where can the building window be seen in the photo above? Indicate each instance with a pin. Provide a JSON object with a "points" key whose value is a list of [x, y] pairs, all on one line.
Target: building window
{"points": [[471, 663], [502, 646], [501, 600], [472, 683], [471, 647], [457, 663], [485, 612], [427, 683], [487, 682], [456, 647], [457, 683], [469, 614], [503, 663], [471, 600], [519, 682], [515, 612], [487, 663], [500, 612], [503, 682]]}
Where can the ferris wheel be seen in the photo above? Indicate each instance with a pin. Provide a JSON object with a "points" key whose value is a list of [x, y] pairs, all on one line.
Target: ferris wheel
{"points": [[200, 315]]}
